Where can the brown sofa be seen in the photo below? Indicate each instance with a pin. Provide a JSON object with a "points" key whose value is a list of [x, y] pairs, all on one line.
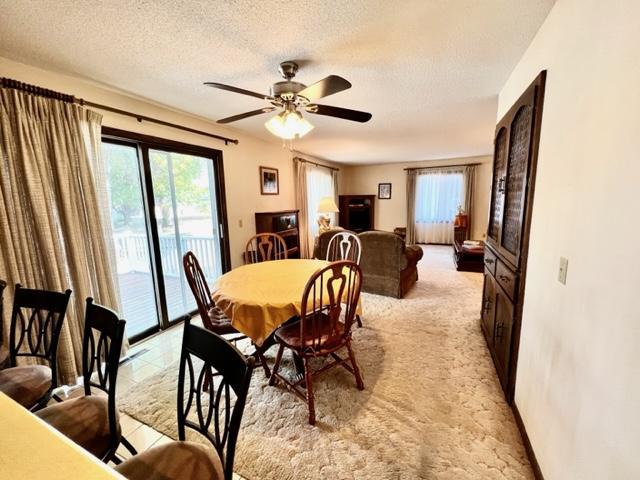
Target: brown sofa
{"points": [[389, 267]]}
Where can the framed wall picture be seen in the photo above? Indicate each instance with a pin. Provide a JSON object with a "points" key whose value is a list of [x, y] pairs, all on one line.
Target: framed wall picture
{"points": [[269, 182], [384, 191]]}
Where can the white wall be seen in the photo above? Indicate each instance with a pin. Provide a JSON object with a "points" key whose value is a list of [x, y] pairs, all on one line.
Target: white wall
{"points": [[363, 180], [578, 383], [241, 162]]}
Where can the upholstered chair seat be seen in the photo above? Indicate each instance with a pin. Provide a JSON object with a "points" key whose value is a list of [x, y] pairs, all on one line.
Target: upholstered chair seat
{"points": [[290, 334], [4, 356], [85, 420], [27, 384], [175, 460], [220, 322]]}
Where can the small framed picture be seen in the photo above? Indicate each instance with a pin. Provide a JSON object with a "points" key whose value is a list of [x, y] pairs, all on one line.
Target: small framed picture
{"points": [[269, 181], [384, 191]]}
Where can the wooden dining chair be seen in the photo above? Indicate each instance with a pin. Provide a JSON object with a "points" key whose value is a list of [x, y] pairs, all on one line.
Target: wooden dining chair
{"points": [[264, 247], [345, 246], [36, 322], [92, 420], [212, 317], [329, 305], [4, 351], [215, 414]]}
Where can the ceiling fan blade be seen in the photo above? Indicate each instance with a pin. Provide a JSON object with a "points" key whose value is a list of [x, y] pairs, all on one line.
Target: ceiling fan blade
{"points": [[229, 88], [246, 115], [345, 113], [325, 87]]}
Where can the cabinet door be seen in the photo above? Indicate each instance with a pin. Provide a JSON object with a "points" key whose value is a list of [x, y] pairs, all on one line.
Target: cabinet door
{"points": [[515, 185], [502, 334], [488, 307], [497, 191]]}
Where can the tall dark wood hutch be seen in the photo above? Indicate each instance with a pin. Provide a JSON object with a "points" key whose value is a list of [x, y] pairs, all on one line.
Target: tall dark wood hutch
{"points": [[285, 224], [514, 169]]}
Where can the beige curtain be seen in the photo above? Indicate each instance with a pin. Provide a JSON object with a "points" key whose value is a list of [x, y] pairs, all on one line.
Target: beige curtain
{"points": [[54, 224], [469, 186], [412, 175], [300, 172]]}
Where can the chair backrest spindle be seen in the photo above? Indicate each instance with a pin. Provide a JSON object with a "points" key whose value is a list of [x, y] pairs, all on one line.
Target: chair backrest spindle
{"points": [[199, 286], [264, 247], [344, 246]]}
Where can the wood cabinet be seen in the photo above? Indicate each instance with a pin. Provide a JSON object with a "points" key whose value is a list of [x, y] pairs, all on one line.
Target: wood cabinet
{"points": [[285, 224], [357, 212], [514, 166]]}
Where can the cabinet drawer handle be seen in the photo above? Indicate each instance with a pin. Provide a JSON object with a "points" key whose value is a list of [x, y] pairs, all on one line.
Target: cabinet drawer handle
{"points": [[501, 184], [487, 305], [504, 278], [499, 328], [488, 260]]}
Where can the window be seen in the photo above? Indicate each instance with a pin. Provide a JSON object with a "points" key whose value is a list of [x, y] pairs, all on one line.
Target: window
{"points": [[320, 184], [165, 200], [438, 195]]}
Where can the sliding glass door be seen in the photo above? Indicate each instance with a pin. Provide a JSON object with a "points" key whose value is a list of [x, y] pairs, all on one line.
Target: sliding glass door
{"points": [[166, 199], [187, 219]]}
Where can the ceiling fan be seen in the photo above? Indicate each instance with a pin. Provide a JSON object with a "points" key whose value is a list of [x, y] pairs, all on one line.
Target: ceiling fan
{"points": [[292, 97]]}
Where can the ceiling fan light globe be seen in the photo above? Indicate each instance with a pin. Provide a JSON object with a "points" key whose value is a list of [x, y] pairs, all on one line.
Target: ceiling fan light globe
{"points": [[304, 127], [288, 125]]}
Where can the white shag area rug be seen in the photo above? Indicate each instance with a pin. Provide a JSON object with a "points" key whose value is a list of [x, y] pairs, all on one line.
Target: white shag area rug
{"points": [[432, 407]]}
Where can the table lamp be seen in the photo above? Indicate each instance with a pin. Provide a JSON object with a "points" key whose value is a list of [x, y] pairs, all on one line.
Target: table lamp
{"points": [[327, 205]]}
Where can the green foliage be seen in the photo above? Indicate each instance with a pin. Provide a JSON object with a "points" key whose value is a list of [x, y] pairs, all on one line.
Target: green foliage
{"points": [[189, 175], [186, 170]]}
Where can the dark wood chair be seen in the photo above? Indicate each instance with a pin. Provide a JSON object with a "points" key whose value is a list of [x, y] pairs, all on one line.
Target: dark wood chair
{"points": [[36, 322], [212, 317], [92, 420], [265, 247], [4, 351], [345, 245], [329, 305], [216, 414]]}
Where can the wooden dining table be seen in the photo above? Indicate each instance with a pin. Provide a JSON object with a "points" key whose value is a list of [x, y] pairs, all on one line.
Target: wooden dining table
{"points": [[32, 449], [259, 297]]}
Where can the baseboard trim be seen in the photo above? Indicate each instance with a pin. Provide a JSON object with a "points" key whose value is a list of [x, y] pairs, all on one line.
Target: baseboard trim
{"points": [[537, 472]]}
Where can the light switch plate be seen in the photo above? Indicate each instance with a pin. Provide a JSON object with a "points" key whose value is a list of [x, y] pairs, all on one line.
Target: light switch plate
{"points": [[562, 270]]}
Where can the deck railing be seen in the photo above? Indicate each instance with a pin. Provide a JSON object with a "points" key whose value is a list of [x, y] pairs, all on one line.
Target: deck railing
{"points": [[132, 253]]}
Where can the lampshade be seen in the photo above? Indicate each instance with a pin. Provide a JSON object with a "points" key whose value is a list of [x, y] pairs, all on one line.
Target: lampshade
{"points": [[288, 125], [327, 205]]}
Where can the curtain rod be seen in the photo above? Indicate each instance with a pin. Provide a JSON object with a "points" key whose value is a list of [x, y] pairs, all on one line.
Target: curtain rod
{"points": [[445, 166], [316, 164], [43, 92]]}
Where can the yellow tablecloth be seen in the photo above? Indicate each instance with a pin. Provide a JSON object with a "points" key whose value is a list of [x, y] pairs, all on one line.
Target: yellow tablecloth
{"points": [[31, 449], [260, 297]]}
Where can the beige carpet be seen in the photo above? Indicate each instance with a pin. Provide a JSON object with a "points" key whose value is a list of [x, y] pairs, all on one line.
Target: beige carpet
{"points": [[432, 407]]}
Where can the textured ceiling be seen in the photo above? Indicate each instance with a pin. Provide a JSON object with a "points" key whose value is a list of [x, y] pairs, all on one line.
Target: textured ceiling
{"points": [[429, 71]]}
